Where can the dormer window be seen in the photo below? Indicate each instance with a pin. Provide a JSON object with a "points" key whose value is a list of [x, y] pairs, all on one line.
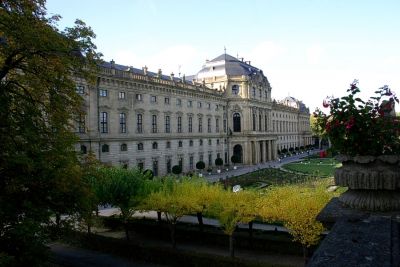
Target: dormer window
{"points": [[235, 89]]}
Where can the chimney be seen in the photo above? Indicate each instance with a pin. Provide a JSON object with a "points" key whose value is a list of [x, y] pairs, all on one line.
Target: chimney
{"points": [[242, 59], [172, 76], [159, 73], [183, 78], [112, 62], [145, 70]]}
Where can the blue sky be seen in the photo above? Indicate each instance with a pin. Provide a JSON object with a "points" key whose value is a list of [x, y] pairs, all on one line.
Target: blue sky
{"points": [[307, 49]]}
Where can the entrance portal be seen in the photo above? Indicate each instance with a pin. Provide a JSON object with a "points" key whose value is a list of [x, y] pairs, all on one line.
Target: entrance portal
{"points": [[238, 152]]}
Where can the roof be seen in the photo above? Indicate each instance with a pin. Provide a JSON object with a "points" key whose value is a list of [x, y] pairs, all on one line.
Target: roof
{"points": [[141, 71], [227, 65]]}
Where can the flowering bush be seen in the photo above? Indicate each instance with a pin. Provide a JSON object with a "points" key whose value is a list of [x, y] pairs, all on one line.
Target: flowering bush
{"points": [[357, 127]]}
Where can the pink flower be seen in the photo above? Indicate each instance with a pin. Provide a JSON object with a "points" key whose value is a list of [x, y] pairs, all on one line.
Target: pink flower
{"points": [[325, 103]]}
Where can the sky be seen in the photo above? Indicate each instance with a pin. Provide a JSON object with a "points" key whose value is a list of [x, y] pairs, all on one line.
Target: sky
{"points": [[308, 49]]}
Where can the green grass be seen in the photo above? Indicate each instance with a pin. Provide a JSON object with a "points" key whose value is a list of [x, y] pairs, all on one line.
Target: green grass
{"points": [[324, 167]]}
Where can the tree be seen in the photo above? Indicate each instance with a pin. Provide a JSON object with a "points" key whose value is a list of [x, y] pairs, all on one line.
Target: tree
{"points": [[38, 102], [200, 165], [297, 207], [233, 208], [235, 159], [175, 200], [219, 162], [316, 129], [124, 189], [176, 169]]}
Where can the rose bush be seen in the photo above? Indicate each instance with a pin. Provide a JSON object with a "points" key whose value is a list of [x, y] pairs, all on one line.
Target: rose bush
{"points": [[357, 127]]}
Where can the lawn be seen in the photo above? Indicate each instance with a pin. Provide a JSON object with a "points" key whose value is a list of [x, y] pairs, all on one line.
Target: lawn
{"points": [[266, 177], [324, 167]]}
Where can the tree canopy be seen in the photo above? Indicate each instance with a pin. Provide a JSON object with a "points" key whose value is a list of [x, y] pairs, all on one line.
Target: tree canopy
{"points": [[38, 166]]}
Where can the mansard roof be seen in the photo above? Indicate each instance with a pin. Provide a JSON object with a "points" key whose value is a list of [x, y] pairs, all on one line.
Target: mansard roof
{"points": [[227, 65]]}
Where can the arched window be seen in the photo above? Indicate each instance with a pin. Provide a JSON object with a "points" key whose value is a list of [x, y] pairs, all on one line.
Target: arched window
{"points": [[124, 147], [191, 143], [236, 122], [105, 148], [155, 145], [140, 146], [180, 144], [83, 149]]}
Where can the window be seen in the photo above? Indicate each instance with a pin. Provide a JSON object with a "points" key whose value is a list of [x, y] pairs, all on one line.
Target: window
{"points": [[254, 92], [224, 125], [80, 89], [217, 141], [180, 144], [260, 93], [121, 95], [81, 124], [155, 167], [166, 101], [178, 102], [103, 122], [235, 89], [217, 125], [103, 92], [168, 144], [190, 103], [236, 122], [124, 147], [201, 142], [190, 120], [259, 122], [154, 123], [180, 162], [200, 125], [153, 99], [139, 97], [167, 124], [139, 123], [140, 165], [209, 142], [83, 149], [201, 157], [122, 123], [169, 165], [209, 125], [254, 121], [191, 165], [155, 145], [140, 146], [190, 142], [179, 124], [210, 159], [105, 148], [208, 105], [199, 105]]}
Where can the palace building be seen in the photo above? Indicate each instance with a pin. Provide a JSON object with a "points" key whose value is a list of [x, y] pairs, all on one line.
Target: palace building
{"points": [[138, 118]]}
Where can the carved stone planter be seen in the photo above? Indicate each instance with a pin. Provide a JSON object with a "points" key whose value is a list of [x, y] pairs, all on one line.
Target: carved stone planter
{"points": [[373, 182]]}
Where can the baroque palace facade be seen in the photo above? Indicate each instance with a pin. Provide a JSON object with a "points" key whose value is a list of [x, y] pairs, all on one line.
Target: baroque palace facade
{"points": [[137, 118]]}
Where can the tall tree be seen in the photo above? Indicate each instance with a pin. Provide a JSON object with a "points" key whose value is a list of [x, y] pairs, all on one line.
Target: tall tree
{"points": [[38, 166]]}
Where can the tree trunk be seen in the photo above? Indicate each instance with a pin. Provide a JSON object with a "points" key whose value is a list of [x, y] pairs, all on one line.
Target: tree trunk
{"points": [[172, 229], [89, 228], [306, 255], [159, 216], [251, 233], [126, 230], [231, 248], [200, 219], [58, 220]]}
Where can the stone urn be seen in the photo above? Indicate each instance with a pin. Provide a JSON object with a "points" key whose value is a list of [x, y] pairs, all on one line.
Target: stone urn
{"points": [[373, 182]]}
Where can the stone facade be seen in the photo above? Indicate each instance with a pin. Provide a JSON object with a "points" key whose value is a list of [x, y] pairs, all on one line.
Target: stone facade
{"points": [[139, 118]]}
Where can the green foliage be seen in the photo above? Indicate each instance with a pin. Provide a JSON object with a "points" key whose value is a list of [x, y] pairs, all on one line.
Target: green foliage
{"points": [[176, 169], [235, 159], [200, 165], [219, 162], [40, 173], [357, 127]]}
